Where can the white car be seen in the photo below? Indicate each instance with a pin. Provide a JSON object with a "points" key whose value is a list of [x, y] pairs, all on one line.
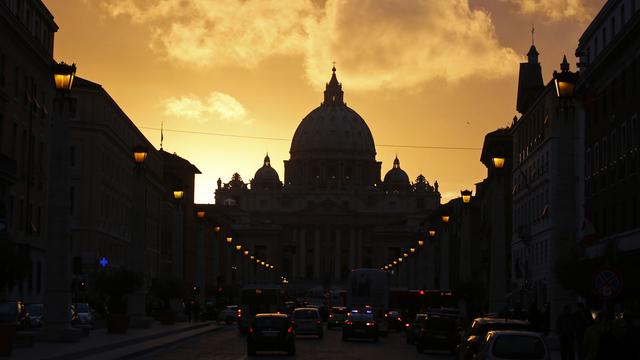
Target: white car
{"points": [[513, 344], [307, 321], [229, 314]]}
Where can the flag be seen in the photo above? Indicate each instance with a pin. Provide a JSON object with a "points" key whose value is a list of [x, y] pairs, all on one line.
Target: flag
{"points": [[589, 233]]}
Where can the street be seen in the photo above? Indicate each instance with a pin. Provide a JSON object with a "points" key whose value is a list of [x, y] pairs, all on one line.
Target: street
{"points": [[228, 344]]}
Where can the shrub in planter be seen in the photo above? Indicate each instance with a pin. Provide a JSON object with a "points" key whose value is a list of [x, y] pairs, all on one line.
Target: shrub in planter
{"points": [[166, 290], [115, 284]]}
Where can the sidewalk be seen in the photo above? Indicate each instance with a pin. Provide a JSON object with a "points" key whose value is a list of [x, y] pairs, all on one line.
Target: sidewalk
{"points": [[102, 345]]}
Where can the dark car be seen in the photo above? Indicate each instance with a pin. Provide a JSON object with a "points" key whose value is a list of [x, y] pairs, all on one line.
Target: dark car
{"points": [[36, 314], [15, 313], [396, 322], [337, 316], [437, 332], [473, 337], [412, 329], [360, 325], [271, 332], [307, 321]]}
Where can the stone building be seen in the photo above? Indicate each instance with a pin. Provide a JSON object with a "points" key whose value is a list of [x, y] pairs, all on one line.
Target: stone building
{"points": [[332, 212]]}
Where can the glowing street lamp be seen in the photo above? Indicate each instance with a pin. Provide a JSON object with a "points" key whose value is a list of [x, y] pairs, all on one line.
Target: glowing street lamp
{"points": [[246, 253], [432, 232], [252, 257], [421, 242], [412, 250], [139, 154], [405, 255], [63, 75], [498, 162], [466, 196], [565, 80], [445, 218], [178, 194], [217, 228], [395, 262], [229, 239], [238, 247], [200, 214]]}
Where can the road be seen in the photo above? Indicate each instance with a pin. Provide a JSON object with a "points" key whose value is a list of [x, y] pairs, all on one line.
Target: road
{"points": [[228, 344]]}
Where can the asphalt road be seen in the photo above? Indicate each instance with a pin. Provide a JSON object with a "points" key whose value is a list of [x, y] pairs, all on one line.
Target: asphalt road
{"points": [[228, 344]]}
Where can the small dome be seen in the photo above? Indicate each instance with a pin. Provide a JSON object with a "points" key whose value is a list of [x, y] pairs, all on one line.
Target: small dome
{"points": [[396, 178], [266, 176]]}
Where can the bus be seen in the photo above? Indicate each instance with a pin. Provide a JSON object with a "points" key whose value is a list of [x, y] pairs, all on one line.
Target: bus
{"points": [[258, 299], [369, 289]]}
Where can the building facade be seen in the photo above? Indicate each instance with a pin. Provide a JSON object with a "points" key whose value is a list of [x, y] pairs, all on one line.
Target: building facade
{"points": [[26, 104], [609, 84], [333, 212]]}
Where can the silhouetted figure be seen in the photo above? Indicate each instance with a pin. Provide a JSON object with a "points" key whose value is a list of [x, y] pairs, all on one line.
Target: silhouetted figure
{"points": [[188, 309], [581, 320], [566, 331], [591, 341], [195, 308]]}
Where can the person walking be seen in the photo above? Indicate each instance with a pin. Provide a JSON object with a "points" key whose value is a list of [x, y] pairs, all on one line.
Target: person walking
{"points": [[581, 320], [566, 331], [591, 341]]}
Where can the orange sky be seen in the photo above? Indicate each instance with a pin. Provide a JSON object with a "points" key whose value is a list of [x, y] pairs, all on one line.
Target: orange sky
{"points": [[420, 72]]}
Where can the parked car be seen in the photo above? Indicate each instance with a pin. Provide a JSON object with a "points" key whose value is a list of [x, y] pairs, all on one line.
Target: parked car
{"points": [[395, 320], [512, 344], [36, 315], [412, 329], [229, 314], [337, 315], [307, 321], [15, 313], [473, 337], [82, 315], [360, 325], [437, 332], [272, 332]]}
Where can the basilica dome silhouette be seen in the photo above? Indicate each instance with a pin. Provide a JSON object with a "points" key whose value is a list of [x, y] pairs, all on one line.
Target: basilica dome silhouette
{"points": [[333, 130]]}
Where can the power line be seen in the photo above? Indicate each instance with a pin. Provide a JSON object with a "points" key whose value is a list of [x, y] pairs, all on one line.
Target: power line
{"points": [[287, 139]]}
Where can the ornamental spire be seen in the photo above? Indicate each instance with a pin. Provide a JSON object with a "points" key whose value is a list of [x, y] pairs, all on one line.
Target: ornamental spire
{"points": [[333, 94]]}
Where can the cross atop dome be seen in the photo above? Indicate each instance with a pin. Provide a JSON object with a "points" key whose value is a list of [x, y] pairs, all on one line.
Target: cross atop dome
{"points": [[396, 163], [333, 94], [267, 161]]}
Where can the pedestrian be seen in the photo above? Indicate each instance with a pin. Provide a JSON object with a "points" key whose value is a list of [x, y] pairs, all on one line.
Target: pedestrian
{"points": [[566, 331], [187, 309], [591, 341], [545, 316], [581, 320]]}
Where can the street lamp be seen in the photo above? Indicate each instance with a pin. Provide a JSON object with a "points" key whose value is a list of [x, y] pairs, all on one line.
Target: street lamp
{"points": [[63, 75], [252, 257], [565, 80], [246, 253], [400, 259], [432, 232], [200, 214], [229, 239], [445, 218], [217, 228], [140, 154], [395, 262], [421, 242], [238, 247], [498, 162], [405, 255], [178, 194], [412, 250], [466, 196]]}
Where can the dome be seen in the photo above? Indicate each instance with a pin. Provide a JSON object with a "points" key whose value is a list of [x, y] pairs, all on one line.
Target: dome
{"points": [[396, 178], [333, 130], [266, 176]]}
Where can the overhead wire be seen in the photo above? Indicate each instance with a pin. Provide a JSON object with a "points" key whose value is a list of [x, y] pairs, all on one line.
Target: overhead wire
{"points": [[288, 139]]}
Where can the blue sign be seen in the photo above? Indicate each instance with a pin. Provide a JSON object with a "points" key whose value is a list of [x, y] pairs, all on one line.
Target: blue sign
{"points": [[104, 262], [608, 283]]}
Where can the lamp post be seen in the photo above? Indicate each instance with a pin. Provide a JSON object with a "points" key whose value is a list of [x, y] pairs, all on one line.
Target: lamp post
{"points": [[136, 306], [57, 285], [466, 196]]}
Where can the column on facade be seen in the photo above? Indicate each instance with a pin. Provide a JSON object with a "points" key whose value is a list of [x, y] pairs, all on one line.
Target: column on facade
{"points": [[303, 252], [336, 270], [352, 249], [295, 268], [316, 254], [360, 247]]}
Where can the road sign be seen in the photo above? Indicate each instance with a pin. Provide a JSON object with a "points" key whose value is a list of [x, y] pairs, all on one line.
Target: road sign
{"points": [[608, 283]]}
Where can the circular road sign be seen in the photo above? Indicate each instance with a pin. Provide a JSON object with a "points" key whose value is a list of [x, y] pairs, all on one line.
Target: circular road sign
{"points": [[608, 283]]}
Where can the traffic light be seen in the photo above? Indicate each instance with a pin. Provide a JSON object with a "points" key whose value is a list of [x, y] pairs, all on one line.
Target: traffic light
{"points": [[195, 290]]}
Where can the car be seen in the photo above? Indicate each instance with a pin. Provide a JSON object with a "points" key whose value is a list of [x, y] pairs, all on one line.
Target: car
{"points": [[271, 332], [513, 344], [36, 316], [229, 314], [360, 325], [307, 321], [473, 337], [15, 313], [395, 320], [81, 315], [437, 332], [337, 315], [412, 329]]}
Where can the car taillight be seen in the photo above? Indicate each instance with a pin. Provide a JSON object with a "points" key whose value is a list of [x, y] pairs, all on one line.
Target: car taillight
{"points": [[407, 325], [330, 315], [317, 322], [399, 319], [348, 322], [371, 324], [386, 315], [290, 330]]}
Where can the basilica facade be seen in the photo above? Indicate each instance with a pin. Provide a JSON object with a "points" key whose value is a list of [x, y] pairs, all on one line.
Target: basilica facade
{"points": [[332, 212]]}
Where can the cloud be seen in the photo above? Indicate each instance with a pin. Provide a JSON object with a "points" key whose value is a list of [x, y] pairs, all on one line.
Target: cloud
{"points": [[555, 10], [217, 106], [376, 43]]}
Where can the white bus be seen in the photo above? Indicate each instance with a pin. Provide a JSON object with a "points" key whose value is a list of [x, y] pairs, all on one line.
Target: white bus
{"points": [[368, 289]]}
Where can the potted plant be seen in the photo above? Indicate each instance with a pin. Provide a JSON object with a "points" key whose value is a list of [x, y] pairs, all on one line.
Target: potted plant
{"points": [[115, 284], [166, 290]]}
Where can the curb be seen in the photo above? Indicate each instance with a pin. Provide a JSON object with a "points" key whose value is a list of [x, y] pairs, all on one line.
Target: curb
{"points": [[104, 348], [152, 349]]}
